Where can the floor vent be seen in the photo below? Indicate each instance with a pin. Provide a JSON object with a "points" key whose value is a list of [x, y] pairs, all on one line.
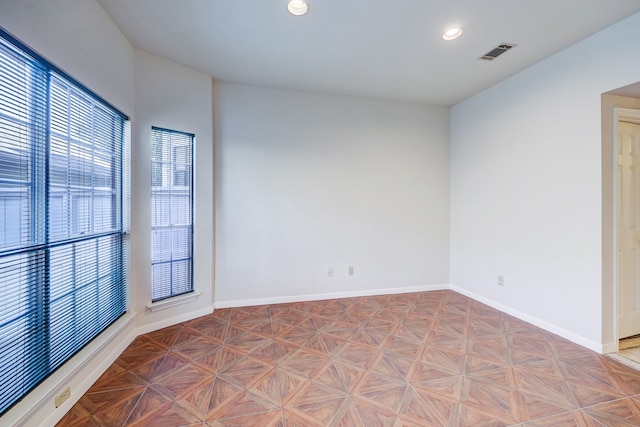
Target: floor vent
{"points": [[497, 51]]}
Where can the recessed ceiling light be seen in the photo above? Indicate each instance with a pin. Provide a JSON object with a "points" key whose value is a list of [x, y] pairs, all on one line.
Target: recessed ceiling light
{"points": [[297, 7], [452, 33]]}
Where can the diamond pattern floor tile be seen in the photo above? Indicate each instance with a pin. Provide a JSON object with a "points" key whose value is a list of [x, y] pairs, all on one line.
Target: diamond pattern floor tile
{"points": [[110, 408], [333, 412], [261, 419], [421, 359]]}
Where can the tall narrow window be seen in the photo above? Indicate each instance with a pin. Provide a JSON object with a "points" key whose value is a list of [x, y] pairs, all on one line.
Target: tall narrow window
{"points": [[62, 278], [172, 213]]}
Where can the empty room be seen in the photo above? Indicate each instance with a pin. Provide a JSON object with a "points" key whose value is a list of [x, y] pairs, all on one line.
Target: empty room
{"points": [[320, 213]]}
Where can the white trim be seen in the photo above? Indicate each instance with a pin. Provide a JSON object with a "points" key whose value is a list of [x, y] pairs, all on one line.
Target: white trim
{"points": [[332, 295], [625, 114], [174, 301], [614, 231], [610, 347], [37, 407], [164, 323], [591, 345]]}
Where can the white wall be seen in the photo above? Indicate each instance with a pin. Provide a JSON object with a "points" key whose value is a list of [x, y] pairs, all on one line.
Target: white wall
{"points": [[526, 185], [69, 40], [306, 181], [171, 96]]}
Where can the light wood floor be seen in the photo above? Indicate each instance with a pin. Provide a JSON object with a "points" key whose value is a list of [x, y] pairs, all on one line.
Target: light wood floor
{"points": [[423, 359], [628, 353]]}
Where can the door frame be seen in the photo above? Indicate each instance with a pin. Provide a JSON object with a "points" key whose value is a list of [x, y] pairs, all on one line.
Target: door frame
{"points": [[633, 116]]}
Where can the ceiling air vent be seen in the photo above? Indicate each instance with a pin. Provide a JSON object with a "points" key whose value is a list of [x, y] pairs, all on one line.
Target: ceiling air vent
{"points": [[497, 51]]}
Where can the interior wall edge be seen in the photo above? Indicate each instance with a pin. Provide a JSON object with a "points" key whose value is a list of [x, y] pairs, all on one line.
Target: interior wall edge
{"points": [[171, 321]]}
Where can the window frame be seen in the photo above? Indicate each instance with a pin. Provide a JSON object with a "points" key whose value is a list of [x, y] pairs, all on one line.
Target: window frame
{"points": [[45, 350], [175, 167]]}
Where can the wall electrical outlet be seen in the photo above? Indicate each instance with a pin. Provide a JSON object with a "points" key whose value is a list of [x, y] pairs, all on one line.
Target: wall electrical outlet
{"points": [[350, 271], [62, 396], [329, 272], [500, 281]]}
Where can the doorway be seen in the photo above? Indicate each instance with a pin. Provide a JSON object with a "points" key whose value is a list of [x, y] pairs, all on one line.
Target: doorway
{"points": [[627, 230]]}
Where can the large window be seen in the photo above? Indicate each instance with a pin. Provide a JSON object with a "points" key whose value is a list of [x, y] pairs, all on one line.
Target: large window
{"points": [[172, 213], [62, 278]]}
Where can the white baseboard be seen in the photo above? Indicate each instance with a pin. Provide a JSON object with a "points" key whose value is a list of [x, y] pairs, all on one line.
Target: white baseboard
{"points": [[170, 321], [591, 345], [80, 372], [325, 296]]}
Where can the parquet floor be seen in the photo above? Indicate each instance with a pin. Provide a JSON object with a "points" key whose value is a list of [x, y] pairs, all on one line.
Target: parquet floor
{"points": [[423, 359]]}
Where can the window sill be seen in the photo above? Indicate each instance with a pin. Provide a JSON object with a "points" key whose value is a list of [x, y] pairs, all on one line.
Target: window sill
{"points": [[172, 302]]}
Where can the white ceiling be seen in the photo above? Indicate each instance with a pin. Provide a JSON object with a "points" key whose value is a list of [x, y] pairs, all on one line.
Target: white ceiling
{"points": [[390, 49]]}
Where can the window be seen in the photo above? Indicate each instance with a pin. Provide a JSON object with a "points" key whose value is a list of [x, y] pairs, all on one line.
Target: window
{"points": [[172, 213], [62, 278]]}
